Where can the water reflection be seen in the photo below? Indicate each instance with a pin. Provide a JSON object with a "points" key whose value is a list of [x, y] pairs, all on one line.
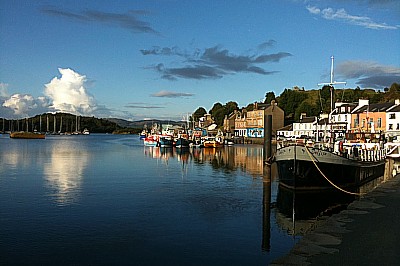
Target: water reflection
{"points": [[64, 171], [244, 158]]}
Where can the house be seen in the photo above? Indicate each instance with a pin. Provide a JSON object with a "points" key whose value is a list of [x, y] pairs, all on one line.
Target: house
{"points": [[393, 120], [206, 121], [370, 117], [255, 119], [229, 122], [341, 116], [286, 131], [305, 126], [241, 123]]}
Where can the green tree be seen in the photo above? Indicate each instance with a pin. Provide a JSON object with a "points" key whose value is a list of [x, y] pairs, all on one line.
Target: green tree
{"points": [[231, 107], [215, 107], [200, 112], [269, 96], [219, 115], [306, 107], [250, 107], [289, 100]]}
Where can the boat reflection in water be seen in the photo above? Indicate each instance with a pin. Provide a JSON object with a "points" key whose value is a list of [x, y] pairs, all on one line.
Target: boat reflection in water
{"points": [[235, 158], [284, 211], [298, 211]]}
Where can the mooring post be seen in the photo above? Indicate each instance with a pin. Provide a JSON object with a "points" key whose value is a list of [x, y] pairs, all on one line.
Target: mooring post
{"points": [[267, 139], [266, 228]]}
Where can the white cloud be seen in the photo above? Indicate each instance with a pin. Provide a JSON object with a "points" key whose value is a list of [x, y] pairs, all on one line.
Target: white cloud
{"points": [[69, 94], [313, 10], [3, 89], [24, 105], [342, 15]]}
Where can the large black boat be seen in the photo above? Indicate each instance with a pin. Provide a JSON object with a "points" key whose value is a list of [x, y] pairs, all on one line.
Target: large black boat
{"points": [[322, 165]]}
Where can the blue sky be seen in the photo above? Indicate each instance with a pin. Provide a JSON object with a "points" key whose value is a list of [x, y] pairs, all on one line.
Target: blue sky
{"points": [[163, 59]]}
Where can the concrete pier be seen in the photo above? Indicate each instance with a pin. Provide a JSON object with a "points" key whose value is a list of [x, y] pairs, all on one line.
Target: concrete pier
{"points": [[366, 233]]}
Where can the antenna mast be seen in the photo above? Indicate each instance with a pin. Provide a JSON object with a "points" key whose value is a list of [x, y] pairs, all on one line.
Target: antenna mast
{"points": [[330, 84]]}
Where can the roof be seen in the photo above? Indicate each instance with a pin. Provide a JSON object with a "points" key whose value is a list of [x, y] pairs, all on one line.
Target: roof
{"points": [[375, 107], [323, 121], [288, 128], [395, 109], [309, 119]]}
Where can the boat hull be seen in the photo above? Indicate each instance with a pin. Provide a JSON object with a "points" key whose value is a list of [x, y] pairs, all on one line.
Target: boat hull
{"points": [[27, 135], [299, 168]]}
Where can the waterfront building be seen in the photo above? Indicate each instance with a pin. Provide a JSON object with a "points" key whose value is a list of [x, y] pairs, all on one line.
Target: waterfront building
{"points": [[206, 121], [229, 121], [393, 120], [286, 131], [255, 119], [305, 127], [241, 123], [341, 116], [370, 117]]}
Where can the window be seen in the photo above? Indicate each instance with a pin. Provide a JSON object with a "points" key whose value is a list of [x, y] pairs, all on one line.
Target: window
{"points": [[339, 118], [355, 122], [390, 126], [363, 123], [379, 122], [392, 116], [345, 118], [397, 128]]}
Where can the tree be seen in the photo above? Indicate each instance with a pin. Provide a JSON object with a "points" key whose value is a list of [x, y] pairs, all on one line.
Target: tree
{"points": [[309, 109], [200, 112], [231, 107], [219, 116], [250, 107], [269, 96], [215, 107], [289, 100]]}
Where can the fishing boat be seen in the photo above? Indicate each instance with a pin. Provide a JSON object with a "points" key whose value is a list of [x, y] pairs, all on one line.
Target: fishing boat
{"points": [[212, 142], [143, 134], [181, 143], [151, 140], [27, 135], [165, 141]]}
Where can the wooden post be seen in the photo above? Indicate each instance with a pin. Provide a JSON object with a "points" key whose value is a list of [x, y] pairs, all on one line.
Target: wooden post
{"points": [[267, 139]]}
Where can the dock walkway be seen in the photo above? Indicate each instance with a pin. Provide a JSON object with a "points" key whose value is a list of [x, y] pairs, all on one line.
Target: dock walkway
{"points": [[366, 233]]}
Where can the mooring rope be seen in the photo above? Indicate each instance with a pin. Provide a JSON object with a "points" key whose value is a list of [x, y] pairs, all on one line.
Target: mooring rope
{"points": [[327, 179]]}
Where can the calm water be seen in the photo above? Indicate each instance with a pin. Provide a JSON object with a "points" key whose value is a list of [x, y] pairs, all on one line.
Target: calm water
{"points": [[107, 200]]}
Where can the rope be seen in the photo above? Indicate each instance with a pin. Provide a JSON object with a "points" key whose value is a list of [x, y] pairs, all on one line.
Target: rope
{"points": [[330, 182]]}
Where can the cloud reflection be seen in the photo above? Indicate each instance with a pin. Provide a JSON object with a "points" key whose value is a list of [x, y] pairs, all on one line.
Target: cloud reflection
{"points": [[64, 173]]}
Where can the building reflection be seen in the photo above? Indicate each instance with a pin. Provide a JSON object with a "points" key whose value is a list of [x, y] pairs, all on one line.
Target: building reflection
{"points": [[64, 172], [248, 159]]}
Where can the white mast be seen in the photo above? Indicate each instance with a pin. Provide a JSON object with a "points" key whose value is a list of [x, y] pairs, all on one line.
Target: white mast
{"points": [[330, 84]]}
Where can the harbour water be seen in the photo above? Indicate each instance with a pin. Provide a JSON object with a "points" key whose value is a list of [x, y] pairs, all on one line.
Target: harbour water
{"points": [[108, 200]]}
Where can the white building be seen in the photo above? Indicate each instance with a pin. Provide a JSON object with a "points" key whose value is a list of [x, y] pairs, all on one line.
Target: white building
{"points": [[305, 127], [393, 120]]}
